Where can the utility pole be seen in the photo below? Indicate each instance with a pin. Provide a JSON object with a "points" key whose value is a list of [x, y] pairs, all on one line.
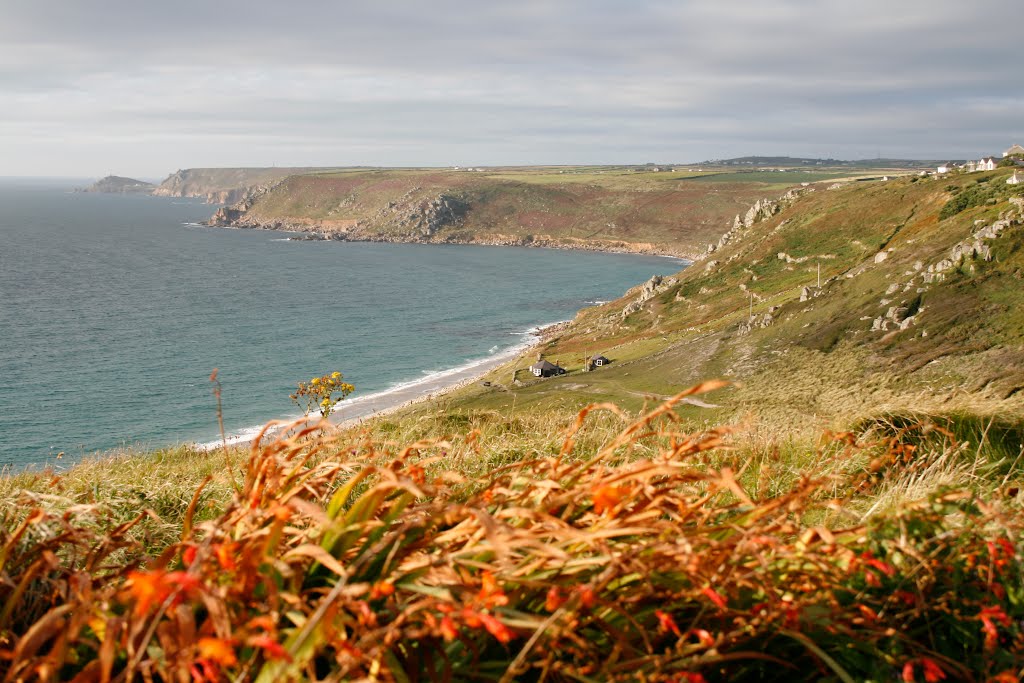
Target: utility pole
{"points": [[819, 274]]}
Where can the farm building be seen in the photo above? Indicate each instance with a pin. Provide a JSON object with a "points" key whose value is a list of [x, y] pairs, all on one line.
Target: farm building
{"points": [[543, 368], [597, 361]]}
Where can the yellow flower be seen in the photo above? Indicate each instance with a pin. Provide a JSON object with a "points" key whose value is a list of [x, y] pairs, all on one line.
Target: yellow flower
{"points": [[315, 380], [335, 375]]}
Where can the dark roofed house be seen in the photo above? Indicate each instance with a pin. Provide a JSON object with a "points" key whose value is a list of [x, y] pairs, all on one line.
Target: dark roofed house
{"points": [[542, 368], [597, 361]]}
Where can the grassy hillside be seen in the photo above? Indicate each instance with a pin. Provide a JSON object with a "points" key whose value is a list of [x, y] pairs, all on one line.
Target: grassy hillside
{"points": [[845, 507], [608, 208], [738, 313]]}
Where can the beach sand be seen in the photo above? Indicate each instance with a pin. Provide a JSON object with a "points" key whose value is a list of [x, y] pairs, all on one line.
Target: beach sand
{"points": [[353, 411]]}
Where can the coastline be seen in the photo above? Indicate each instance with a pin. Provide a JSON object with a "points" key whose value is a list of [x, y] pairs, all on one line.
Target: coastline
{"points": [[310, 233], [354, 411]]}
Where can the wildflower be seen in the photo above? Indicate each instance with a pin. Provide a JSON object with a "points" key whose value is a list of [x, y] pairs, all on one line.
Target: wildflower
{"points": [[188, 555], [714, 597], [703, 637], [932, 671], [607, 497], [217, 650], [491, 594], [496, 628], [148, 589], [381, 589], [989, 616], [225, 556], [449, 631], [666, 623], [554, 599], [336, 375], [271, 648], [587, 596], [315, 381]]}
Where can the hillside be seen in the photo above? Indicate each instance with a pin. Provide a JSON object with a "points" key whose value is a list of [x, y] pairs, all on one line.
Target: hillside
{"points": [[615, 208], [221, 185], [846, 507], [113, 184], [918, 310]]}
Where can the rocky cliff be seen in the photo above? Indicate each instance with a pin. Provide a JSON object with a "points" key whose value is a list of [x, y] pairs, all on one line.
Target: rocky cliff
{"points": [[222, 185]]}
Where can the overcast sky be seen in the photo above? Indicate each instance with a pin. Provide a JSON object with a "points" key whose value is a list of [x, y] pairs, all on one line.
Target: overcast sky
{"points": [[142, 89]]}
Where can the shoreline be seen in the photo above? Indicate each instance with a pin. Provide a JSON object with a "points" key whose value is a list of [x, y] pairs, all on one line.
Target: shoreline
{"points": [[311, 234], [353, 412]]}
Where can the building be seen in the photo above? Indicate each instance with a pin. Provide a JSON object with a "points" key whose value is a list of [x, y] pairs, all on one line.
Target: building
{"points": [[987, 164], [1014, 150], [1015, 179], [946, 167], [542, 368], [597, 361]]}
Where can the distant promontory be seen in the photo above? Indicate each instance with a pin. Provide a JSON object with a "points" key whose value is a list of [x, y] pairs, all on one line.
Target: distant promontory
{"points": [[120, 185]]}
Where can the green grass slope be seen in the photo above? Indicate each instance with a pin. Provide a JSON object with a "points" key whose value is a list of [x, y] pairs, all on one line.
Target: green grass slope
{"points": [[914, 313]]}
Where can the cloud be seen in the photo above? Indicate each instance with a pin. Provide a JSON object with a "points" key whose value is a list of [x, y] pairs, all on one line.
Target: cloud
{"points": [[89, 87]]}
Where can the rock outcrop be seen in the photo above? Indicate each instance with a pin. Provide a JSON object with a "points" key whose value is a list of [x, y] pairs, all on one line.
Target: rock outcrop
{"points": [[114, 184]]}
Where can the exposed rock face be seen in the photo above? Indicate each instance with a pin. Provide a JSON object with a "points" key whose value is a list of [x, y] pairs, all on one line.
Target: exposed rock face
{"points": [[120, 185], [762, 209], [420, 218], [648, 290]]}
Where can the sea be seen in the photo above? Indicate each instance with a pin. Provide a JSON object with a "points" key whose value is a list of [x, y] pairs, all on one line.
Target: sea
{"points": [[115, 309]]}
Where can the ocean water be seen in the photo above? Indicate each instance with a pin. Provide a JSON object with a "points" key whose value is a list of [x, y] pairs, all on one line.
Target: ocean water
{"points": [[115, 309]]}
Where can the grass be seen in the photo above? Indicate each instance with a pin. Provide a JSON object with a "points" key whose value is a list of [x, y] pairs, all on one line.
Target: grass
{"points": [[624, 547]]}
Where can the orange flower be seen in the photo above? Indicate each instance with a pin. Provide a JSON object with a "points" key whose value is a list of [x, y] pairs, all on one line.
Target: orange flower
{"points": [[381, 589], [988, 616], [666, 623], [933, 673], [217, 650], [188, 555], [491, 594], [607, 497], [714, 597], [148, 589], [554, 599], [496, 628], [587, 596], [271, 648], [226, 556], [448, 629], [703, 637]]}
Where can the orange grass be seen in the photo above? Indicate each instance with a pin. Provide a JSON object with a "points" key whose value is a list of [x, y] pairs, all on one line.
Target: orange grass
{"points": [[379, 564]]}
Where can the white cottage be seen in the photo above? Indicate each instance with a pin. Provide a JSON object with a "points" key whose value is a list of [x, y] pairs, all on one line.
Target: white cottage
{"points": [[1015, 179], [946, 167], [1014, 150], [987, 164]]}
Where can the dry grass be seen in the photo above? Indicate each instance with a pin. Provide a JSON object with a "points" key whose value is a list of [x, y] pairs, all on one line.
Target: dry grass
{"points": [[630, 551]]}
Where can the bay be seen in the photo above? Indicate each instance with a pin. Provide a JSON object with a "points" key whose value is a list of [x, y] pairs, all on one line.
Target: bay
{"points": [[114, 310]]}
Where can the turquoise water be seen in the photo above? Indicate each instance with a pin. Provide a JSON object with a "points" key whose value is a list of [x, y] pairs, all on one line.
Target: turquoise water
{"points": [[114, 310]]}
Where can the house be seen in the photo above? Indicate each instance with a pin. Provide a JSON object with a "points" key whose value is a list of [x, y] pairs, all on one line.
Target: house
{"points": [[972, 166], [1014, 151], [1015, 179], [946, 167], [987, 164], [597, 361], [542, 368]]}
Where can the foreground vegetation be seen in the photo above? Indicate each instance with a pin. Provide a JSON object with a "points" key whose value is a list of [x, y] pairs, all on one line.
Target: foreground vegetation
{"points": [[621, 549]]}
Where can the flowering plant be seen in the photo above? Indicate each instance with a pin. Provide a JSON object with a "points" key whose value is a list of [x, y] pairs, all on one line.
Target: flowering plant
{"points": [[322, 393]]}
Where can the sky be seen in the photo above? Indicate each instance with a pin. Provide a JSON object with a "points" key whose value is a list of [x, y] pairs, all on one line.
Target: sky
{"points": [[142, 89]]}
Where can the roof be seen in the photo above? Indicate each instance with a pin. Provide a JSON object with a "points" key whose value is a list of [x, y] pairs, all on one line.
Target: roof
{"points": [[544, 365], [598, 356], [1015, 149]]}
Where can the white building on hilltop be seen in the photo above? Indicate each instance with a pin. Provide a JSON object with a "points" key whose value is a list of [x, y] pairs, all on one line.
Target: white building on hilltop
{"points": [[1014, 149]]}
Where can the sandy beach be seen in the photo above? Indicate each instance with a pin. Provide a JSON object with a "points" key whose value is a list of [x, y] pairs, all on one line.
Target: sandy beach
{"points": [[353, 411]]}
